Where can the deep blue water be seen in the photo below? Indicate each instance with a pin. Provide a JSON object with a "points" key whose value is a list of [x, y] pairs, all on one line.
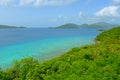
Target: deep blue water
{"points": [[40, 43]]}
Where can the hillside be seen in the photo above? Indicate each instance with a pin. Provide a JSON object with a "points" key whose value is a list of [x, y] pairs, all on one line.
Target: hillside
{"points": [[91, 62], [110, 36], [91, 26], [69, 25], [6, 26], [95, 25], [104, 24]]}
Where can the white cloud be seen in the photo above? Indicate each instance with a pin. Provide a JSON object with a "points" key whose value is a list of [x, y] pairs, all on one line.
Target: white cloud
{"points": [[40, 3], [26, 2], [116, 2], [53, 2], [80, 14], [5, 2], [110, 11], [63, 17], [37, 3]]}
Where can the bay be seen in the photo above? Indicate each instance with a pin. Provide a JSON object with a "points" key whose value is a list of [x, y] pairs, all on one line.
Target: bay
{"points": [[40, 43]]}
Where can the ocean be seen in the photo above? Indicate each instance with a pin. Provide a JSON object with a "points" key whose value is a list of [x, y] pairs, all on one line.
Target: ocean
{"points": [[40, 43]]}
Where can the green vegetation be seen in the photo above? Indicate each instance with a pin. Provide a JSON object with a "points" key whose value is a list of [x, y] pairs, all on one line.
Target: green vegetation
{"points": [[91, 62], [110, 36], [95, 25], [6, 26], [70, 25], [91, 26]]}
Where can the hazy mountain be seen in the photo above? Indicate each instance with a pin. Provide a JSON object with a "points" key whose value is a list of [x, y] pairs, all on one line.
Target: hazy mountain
{"points": [[90, 26], [95, 25], [106, 24], [98, 25], [6, 26], [69, 25]]}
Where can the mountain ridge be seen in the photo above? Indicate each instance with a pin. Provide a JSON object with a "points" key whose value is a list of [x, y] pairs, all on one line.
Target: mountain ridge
{"points": [[7, 26], [94, 25]]}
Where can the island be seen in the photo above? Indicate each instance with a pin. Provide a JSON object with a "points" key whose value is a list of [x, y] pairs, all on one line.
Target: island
{"points": [[94, 25], [100, 61], [69, 25], [6, 26]]}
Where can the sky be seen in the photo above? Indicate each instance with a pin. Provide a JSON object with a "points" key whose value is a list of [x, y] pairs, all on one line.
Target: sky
{"points": [[52, 13]]}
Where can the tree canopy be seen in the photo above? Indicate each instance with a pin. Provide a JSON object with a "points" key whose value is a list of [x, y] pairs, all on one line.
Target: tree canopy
{"points": [[91, 62]]}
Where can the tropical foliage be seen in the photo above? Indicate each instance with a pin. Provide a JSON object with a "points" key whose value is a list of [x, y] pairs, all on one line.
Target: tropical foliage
{"points": [[91, 62], [110, 36]]}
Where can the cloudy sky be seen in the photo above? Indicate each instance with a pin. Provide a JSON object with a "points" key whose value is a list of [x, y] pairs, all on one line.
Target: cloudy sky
{"points": [[50, 13]]}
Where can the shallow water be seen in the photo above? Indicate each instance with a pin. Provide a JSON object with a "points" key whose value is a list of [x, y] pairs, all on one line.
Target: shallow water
{"points": [[41, 44]]}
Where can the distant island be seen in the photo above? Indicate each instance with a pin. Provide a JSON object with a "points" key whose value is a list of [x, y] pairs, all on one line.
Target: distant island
{"points": [[6, 26], [95, 25], [69, 25]]}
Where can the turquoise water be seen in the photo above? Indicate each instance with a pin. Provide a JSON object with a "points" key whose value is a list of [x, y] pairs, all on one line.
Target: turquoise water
{"points": [[42, 48]]}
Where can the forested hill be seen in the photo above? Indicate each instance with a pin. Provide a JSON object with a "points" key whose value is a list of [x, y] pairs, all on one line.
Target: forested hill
{"points": [[110, 36], [69, 25], [94, 25], [6, 26], [91, 62]]}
